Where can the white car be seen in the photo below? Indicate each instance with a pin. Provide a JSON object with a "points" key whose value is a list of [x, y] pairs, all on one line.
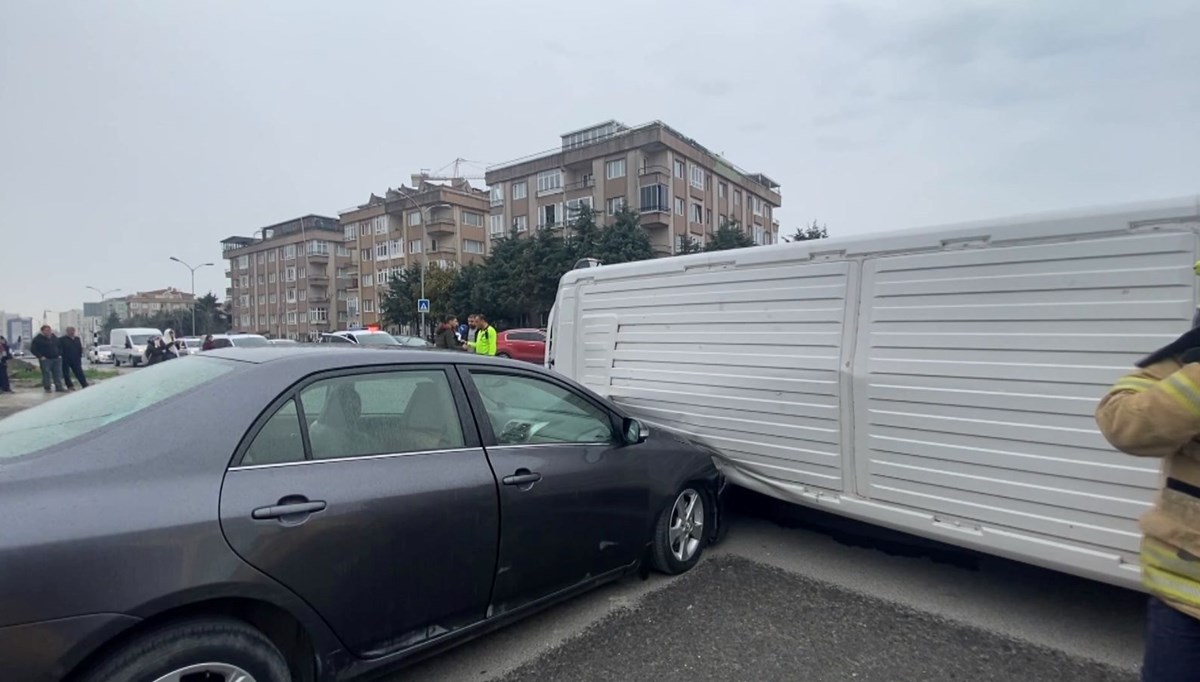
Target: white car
{"points": [[191, 345], [361, 337], [239, 341], [100, 355]]}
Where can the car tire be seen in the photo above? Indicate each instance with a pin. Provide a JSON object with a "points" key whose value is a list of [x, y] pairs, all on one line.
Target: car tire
{"points": [[116, 361], [681, 533], [503, 355], [223, 648]]}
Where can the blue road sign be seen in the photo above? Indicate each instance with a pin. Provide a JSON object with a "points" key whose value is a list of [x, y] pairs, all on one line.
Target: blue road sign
{"points": [[422, 305]]}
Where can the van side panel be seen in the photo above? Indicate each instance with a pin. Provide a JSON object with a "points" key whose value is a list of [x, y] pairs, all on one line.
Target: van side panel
{"points": [[980, 370], [745, 358]]}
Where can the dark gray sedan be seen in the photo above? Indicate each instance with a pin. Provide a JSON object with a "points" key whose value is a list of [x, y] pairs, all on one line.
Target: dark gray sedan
{"points": [[305, 514]]}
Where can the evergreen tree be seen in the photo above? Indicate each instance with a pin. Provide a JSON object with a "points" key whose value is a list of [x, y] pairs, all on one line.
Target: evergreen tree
{"points": [[729, 236], [813, 231]]}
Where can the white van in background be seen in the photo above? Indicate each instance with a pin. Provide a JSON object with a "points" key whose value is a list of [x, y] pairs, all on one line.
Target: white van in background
{"points": [[129, 344], [938, 381]]}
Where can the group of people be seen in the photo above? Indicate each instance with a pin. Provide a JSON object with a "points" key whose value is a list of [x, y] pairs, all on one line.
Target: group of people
{"points": [[477, 335], [5, 354], [59, 357]]}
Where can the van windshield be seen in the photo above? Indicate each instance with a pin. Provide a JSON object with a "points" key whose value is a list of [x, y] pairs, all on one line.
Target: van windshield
{"points": [[140, 339], [61, 419]]}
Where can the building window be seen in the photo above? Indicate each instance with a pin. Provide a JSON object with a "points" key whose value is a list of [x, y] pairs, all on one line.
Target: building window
{"points": [[472, 219], [245, 301], [720, 190], [368, 280], [368, 305], [697, 177], [548, 215], [291, 318], [262, 258], [414, 218], [273, 298], [396, 248], [302, 273], [303, 294], [758, 234], [588, 180], [381, 251], [289, 252], [274, 319], [271, 278], [615, 205], [261, 279], [496, 225], [654, 198], [680, 206], [291, 295], [708, 216], [350, 231], [364, 228], [380, 225], [318, 315], [262, 299], [549, 181], [697, 213], [756, 205], [364, 255], [615, 169], [678, 168], [521, 223], [472, 246], [433, 245], [342, 250], [244, 280], [737, 197], [497, 195], [318, 248], [520, 190], [575, 206], [414, 246], [271, 256], [243, 262], [289, 274]]}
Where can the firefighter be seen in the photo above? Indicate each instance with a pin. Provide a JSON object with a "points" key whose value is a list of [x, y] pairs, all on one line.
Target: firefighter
{"points": [[1155, 412]]}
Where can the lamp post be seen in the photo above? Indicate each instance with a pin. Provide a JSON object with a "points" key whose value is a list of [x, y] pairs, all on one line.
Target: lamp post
{"points": [[103, 297], [193, 271]]}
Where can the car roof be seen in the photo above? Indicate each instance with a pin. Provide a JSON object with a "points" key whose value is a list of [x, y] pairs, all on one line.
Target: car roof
{"points": [[325, 356]]}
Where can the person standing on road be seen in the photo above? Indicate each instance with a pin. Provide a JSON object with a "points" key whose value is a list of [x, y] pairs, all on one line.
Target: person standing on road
{"points": [[72, 358], [485, 337], [447, 338], [5, 354], [49, 356], [1155, 412]]}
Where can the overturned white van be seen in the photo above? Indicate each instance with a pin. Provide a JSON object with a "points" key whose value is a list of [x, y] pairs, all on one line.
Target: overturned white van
{"points": [[940, 381]]}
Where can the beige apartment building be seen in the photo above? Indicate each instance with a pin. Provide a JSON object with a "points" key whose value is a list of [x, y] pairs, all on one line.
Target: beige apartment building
{"points": [[426, 223], [290, 280], [678, 187], [149, 303]]}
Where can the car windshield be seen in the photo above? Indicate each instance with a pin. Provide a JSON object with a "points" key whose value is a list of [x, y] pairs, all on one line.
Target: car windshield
{"points": [[379, 339], [140, 339], [74, 415], [250, 342]]}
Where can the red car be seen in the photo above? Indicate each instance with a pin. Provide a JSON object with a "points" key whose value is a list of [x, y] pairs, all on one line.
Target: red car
{"points": [[522, 344]]}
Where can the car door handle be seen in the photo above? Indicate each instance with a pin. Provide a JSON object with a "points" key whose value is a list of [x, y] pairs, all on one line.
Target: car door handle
{"points": [[278, 511], [522, 477]]}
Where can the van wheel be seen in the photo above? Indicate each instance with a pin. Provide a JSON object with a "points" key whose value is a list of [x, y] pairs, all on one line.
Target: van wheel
{"points": [[116, 361], [682, 532], [210, 649]]}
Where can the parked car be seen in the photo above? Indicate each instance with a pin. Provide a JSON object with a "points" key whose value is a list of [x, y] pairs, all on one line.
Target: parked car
{"points": [[239, 341], [100, 355], [522, 344], [129, 344], [362, 337], [192, 345], [302, 540], [284, 342], [412, 341]]}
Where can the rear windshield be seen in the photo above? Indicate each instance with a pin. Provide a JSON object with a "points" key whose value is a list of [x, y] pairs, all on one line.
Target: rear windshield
{"points": [[379, 339], [250, 341], [61, 419]]}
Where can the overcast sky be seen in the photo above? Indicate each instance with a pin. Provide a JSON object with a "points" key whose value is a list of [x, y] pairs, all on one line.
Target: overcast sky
{"points": [[135, 131]]}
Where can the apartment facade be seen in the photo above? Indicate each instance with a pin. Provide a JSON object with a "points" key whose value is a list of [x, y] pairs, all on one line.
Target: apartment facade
{"points": [[157, 301], [290, 280], [678, 188], [426, 223]]}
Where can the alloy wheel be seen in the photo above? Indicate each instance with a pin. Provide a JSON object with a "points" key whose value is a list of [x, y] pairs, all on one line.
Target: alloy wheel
{"points": [[686, 531]]}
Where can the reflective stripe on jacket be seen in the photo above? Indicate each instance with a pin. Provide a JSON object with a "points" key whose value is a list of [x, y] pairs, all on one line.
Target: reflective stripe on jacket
{"points": [[1155, 412]]}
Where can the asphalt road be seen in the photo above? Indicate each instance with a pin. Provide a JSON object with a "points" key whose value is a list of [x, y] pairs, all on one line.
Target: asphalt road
{"points": [[784, 598]]}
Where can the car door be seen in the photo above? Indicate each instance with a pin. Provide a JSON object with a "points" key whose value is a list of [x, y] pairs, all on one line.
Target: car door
{"points": [[365, 493], [573, 498]]}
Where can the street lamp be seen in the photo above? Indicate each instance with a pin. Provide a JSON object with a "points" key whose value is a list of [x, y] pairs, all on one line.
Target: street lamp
{"points": [[103, 298], [193, 271]]}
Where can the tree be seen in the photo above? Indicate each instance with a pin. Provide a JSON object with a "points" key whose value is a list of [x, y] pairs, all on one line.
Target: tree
{"points": [[210, 317], [813, 231], [113, 322], [399, 303], [584, 242], [729, 236], [623, 241], [688, 244]]}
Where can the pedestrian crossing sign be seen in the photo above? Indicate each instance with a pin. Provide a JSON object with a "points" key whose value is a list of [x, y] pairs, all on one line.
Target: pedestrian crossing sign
{"points": [[422, 305]]}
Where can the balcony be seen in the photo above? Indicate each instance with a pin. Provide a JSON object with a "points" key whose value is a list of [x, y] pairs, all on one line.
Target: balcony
{"points": [[442, 224], [654, 170], [318, 276], [443, 251], [316, 257], [586, 183], [655, 215], [353, 285]]}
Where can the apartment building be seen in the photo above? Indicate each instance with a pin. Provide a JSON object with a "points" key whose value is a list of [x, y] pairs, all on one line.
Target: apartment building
{"points": [[429, 222], [678, 187], [289, 280], [156, 301]]}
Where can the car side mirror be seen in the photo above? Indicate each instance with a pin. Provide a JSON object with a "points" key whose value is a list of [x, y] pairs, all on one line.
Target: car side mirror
{"points": [[635, 432]]}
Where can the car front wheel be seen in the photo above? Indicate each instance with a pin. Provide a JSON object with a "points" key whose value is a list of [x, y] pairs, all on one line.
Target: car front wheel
{"points": [[209, 649], [682, 532]]}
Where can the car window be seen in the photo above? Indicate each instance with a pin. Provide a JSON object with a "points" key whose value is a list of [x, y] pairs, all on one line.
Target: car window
{"points": [[279, 440], [221, 343], [392, 412], [57, 421], [526, 409]]}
